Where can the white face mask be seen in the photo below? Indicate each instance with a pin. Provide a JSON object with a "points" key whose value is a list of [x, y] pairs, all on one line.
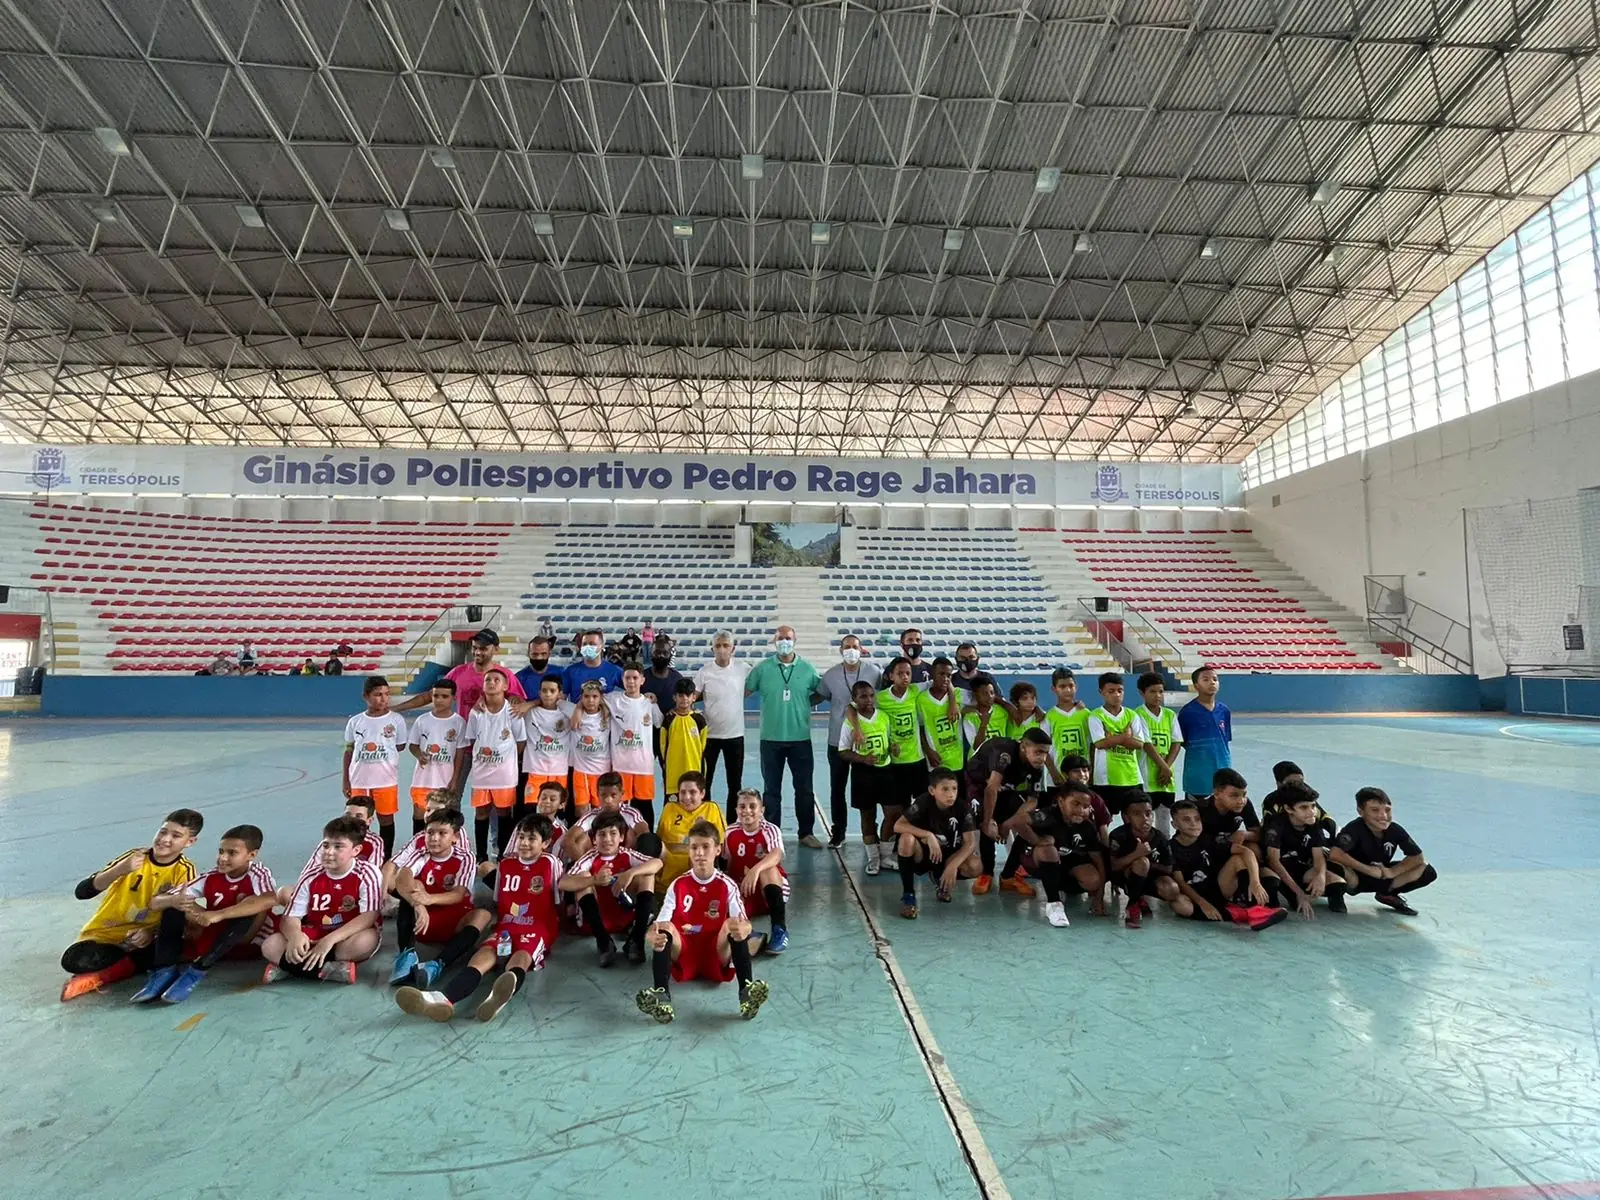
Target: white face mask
{"points": [[785, 645], [851, 656], [591, 653]]}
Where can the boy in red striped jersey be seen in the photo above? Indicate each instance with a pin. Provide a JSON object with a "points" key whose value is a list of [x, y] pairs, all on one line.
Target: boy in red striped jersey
{"points": [[754, 854], [615, 886], [702, 932], [221, 914], [527, 899], [369, 850], [332, 922], [435, 890]]}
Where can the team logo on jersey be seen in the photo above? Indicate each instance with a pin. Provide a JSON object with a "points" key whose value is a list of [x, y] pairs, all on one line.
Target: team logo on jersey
{"points": [[1388, 850], [433, 748], [49, 467], [504, 734], [1108, 485], [714, 910], [370, 747], [486, 752], [450, 735], [536, 885], [348, 904], [388, 731], [449, 882]]}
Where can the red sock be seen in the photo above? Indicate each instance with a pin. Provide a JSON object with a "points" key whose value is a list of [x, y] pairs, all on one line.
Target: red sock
{"points": [[116, 971]]}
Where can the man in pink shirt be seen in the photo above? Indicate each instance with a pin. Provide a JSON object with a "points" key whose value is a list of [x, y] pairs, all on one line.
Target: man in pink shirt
{"points": [[468, 678]]}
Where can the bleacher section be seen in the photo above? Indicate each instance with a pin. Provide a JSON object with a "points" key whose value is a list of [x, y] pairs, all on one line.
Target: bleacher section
{"points": [[1220, 596], [158, 593], [955, 586], [684, 579]]}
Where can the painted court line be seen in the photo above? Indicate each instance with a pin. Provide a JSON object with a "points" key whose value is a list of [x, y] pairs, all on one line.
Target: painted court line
{"points": [[1537, 1191], [985, 1171]]}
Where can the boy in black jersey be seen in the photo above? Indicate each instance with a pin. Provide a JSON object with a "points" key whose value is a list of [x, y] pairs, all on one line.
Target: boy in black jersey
{"points": [[1002, 774], [1288, 776], [1075, 769], [1229, 816], [937, 837], [1141, 862], [1365, 851], [1208, 872], [1296, 846], [1067, 849]]}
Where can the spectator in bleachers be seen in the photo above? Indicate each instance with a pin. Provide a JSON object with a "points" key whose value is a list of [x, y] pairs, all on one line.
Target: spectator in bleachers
{"points": [[911, 648], [221, 664], [719, 685], [967, 675], [834, 690], [532, 675], [1206, 728], [334, 665], [785, 684], [468, 678], [247, 656], [308, 668], [591, 664]]}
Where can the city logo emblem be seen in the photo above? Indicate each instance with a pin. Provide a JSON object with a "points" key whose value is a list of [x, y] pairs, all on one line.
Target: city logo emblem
{"points": [[49, 467], [1108, 485]]}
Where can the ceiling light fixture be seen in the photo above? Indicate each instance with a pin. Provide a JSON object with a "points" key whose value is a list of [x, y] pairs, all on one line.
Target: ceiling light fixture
{"points": [[752, 166], [1332, 255], [1047, 180], [105, 212], [954, 239], [1084, 244], [821, 233], [250, 216], [543, 225], [113, 141], [1188, 409], [441, 157], [1210, 248], [397, 219], [1324, 192], [682, 227]]}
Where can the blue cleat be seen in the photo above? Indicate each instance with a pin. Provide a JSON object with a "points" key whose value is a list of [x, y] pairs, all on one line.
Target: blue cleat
{"points": [[425, 974], [179, 991], [404, 963], [779, 941], [155, 985]]}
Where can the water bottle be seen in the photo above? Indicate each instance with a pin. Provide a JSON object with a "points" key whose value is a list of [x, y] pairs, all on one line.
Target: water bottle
{"points": [[502, 948]]}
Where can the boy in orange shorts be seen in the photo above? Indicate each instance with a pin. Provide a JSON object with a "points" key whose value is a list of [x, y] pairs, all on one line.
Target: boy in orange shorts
{"points": [[634, 719], [372, 741], [497, 736], [435, 741], [548, 724]]}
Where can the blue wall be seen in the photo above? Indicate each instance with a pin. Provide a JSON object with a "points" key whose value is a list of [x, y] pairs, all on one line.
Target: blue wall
{"points": [[200, 696], [1539, 695]]}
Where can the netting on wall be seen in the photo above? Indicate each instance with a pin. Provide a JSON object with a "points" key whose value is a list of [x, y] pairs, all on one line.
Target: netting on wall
{"points": [[1540, 575]]}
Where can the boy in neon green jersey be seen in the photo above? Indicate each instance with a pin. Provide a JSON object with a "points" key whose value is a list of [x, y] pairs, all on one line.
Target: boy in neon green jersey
{"points": [[1121, 744], [1068, 722], [1161, 723], [908, 762], [939, 710], [864, 742]]}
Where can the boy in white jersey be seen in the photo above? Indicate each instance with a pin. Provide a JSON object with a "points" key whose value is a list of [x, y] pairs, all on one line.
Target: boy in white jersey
{"points": [[496, 736], [372, 741], [435, 741], [1161, 723], [589, 745], [634, 718], [548, 724]]}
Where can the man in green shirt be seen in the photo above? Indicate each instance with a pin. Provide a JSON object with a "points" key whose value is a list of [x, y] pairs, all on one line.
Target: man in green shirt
{"points": [[784, 683]]}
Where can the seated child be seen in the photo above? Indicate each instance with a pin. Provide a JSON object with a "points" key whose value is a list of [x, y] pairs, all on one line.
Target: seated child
{"points": [[220, 915], [527, 923], [332, 918], [120, 938], [1208, 873], [357, 808], [754, 854], [1075, 769], [1365, 850], [1297, 845], [609, 790], [372, 742], [1068, 851], [1141, 862], [434, 885], [702, 932], [678, 816], [432, 802], [615, 887], [936, 836], [1228, 815]]}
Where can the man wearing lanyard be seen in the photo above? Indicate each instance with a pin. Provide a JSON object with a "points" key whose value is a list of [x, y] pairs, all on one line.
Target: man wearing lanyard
{"points": [[785, 683], [834, 690]]}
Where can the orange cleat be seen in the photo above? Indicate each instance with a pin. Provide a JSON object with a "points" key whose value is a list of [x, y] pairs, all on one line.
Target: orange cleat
{"points": [[1020, 886], [93, 981], [982, 885]]}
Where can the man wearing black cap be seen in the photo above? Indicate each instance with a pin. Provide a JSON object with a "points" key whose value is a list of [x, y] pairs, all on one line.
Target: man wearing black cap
{"points": [[468, 678]]}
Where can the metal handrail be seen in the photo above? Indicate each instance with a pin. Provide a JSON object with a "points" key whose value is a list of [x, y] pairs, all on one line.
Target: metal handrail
{"points": [[1392, 616], [447, 618], [1095, 621], [38, 602]]}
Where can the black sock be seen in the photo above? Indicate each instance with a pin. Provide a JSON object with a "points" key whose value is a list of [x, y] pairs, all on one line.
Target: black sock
{"points": [[519, 974], [986, 853], [1421, 881], [299, 970], [233, 933], [589, 906], [460, 945], [418, 823], [480, 834], [741, 960], [661, 967], [908, 874], [386, 832], [462, 984], [1014, 859], [644, 912], [1335, 889], [1050, 876], [777, 909], [1137, 887], [405, 926], [647, 810], [168, 947], [502, 832]]}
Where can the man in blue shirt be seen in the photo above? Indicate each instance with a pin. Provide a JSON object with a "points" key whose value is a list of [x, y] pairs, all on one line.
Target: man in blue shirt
{"points": [[532, 675], [1207, 729], [591, 666]]}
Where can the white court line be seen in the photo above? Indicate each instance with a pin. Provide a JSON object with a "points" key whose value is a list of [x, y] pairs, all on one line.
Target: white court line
{"points": [[1511, 731], [985, 1171]]}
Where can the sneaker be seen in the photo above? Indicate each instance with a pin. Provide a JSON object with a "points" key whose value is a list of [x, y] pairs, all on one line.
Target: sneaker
{"points": [[272, 973], [337, 972], [1394, 901], [1056, 913], [1130, 917], [655, 1003], [500, 995], [873, 857], [608, 954], [752, 996], [811, 842], [983, 885], [1017, 886], [154, 985], [426, 974], [92, 981], [188, 979], [1336, 903], [836, 841], [943, 894], [405, 963], [908, 905], [435, 1006], [1265, 916], [779, 941]]}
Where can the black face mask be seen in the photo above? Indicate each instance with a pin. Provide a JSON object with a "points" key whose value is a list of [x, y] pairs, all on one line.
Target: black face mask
{"points": [[538, 664], [967, 664], [913, 651], [661, 660]]}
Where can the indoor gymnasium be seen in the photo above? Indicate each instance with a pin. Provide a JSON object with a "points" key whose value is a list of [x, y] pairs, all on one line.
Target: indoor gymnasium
{"points": [[981, 598]]}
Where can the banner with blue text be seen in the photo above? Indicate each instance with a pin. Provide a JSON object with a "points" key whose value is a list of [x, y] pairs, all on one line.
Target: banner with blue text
{"points": [[381, 474]]}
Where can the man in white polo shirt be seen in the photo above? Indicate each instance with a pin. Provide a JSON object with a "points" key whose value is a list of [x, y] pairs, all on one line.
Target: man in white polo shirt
{"points": [[720, 686]]}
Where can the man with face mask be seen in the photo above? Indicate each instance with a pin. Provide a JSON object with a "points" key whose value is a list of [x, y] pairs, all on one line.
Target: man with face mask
{"points": [[591, 665], [911, 647], [661, 679], [785, 683], [532, 675], [834, 691], [719, 685], [968, 673]]}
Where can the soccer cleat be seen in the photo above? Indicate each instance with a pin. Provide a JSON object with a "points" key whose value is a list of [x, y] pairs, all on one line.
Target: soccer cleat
{"points": [[272, 972], [944, 895], [154, 985], [435, 1006], [92, 981], [426, 974], [608, 954], [752, 996], [779, 941], [1056, 913], [1336, 903], [1130, 916], [1265, 916], [1020, 887], [337, 972], [183, 985], [1394, 901], [1237, 913], [908, 905], [635, 951], [982, 885], [873, 858], [499, 996], [405, 964], [655, 1003]]}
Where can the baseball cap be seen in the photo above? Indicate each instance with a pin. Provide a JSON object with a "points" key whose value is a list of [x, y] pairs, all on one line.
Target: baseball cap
{"points": [[486, 637]]}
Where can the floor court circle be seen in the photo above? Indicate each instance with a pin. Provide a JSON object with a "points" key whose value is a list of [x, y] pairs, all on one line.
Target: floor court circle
{"points": [[1555, 733]]}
